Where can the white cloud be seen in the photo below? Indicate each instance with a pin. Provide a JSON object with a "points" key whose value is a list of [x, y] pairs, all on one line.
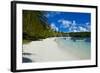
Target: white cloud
{"points": [[75, 31], [73, 26], [82, 29], [73, 23], [53, 26], [88, 26], [65, 23]]}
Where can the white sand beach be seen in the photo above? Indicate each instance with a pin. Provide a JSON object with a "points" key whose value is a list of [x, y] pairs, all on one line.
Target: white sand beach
{"points": [[46, 50]]}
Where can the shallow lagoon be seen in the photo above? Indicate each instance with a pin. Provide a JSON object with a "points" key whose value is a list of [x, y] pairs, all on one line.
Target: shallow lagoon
{"points": [[80, 47]]}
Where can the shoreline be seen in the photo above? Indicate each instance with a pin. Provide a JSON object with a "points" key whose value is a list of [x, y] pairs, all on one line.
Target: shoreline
{"points": [[46, 50]]}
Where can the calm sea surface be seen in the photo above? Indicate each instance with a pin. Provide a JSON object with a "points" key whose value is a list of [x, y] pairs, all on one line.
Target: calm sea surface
{"points": [[80, 47]]}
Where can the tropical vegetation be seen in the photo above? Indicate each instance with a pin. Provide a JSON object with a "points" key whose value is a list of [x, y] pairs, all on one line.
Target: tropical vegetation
{"points": [[36, 27]]}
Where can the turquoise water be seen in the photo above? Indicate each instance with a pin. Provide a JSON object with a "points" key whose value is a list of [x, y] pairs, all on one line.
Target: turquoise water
{"points": [[80, 48]]}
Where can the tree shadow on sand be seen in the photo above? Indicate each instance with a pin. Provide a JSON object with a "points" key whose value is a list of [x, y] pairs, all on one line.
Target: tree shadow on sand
{"points": [[26, 60], [27, 54]]}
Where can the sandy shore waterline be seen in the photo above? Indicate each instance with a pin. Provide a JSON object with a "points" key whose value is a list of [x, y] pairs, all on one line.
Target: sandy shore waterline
{"points": [[46, 50]]}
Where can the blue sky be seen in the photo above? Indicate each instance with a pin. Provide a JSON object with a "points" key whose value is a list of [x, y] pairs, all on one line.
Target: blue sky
{"points": [[69, 21]]}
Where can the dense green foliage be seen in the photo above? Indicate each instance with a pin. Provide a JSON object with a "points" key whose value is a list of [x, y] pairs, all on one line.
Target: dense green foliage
{"points": [[36, 27], [80, 34], [73, 34], [77, 34]]}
